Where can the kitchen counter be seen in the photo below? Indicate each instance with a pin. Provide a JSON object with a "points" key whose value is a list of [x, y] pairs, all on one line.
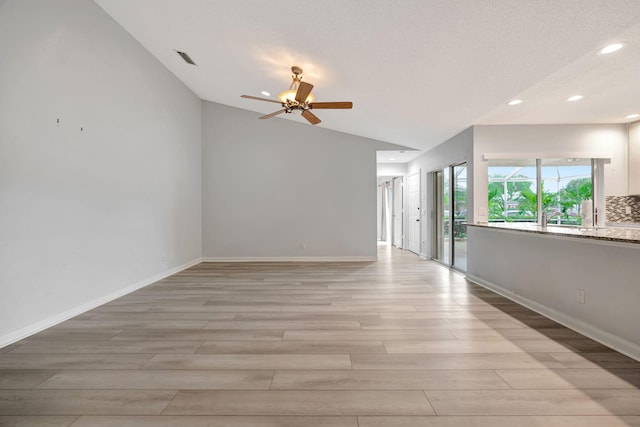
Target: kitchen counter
{"points": [[611, 234]]}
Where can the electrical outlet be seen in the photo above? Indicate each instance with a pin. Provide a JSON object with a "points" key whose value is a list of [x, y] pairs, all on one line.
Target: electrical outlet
{"points": [[580, 296], [627, 210]]}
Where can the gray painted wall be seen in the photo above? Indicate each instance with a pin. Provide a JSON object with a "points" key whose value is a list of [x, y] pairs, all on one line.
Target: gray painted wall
{"points": [[85, 215], [634, 158], [281, 189], [544, 273], [456, 150]]}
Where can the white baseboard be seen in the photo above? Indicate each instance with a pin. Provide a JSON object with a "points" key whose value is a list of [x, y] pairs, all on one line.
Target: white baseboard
{"points": [[68, 314], [292, 259], [617, 343]]}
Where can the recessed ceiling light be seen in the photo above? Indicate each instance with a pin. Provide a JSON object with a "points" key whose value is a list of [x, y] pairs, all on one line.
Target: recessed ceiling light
{"points": [[515, 102], [611, 48], [575, 98], [391, 158], [633, 116], [265, 93]]}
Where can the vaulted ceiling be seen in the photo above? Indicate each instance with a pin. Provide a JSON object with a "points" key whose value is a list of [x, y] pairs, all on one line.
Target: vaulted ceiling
{"points": [[417, 71]]}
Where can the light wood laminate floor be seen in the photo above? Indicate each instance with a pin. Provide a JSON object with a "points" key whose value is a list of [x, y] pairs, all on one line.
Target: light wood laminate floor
{"points": [[398, 342]]}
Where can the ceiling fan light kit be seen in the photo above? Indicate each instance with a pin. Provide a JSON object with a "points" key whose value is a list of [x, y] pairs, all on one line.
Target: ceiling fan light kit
{"points": [[299, 97]]}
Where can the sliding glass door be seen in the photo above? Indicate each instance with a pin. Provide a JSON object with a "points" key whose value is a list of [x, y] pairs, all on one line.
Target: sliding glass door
{"points": [[450, 216], [441, 247], [459, 210]]}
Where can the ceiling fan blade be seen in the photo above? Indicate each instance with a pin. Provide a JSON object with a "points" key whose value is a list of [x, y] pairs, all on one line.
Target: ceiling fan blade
{"points": [[268, 116], [340, 105], [312, 118], [260, 99], [303, 91]]}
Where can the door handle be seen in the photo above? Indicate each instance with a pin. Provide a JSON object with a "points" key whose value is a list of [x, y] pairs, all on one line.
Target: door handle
{"points": [[417, 220]]}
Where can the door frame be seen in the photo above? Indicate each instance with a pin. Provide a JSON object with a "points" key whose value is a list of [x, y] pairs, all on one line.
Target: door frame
{"points": [[409, 227], [445, 170], [394, 214]]}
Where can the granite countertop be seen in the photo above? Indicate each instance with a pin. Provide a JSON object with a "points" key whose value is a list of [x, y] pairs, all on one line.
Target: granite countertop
{"points": [[611, 234]]}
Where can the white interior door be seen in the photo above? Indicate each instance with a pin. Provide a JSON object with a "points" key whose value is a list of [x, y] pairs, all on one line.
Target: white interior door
{"points": [[397, 212], [413, 214]]}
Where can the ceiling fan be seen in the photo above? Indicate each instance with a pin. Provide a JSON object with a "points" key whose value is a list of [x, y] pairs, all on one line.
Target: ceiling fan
{"points": [[299, 97]]}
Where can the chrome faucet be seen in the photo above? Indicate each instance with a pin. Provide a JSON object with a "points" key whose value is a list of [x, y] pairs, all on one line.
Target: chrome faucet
{"points": [[544, 220]]}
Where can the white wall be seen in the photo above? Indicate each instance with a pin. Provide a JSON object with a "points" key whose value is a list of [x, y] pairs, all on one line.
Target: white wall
{"points": [[544, 273], [391, 169], [285, 190], [634, 158], [549, 141], [88, 215], [458, 149]]}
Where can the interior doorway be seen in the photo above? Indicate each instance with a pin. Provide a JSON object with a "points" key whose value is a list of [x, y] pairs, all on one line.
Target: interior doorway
{"points": [[390, 211]]}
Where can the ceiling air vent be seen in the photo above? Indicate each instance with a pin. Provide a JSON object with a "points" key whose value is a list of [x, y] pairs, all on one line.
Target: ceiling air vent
{"points": [[186, 57]]}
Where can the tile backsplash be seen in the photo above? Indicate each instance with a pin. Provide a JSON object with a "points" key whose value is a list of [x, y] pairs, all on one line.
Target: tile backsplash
{"points": [[616, 208]]}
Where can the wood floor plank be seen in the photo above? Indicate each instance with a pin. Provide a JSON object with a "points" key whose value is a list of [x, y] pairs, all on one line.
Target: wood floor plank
{"points": [[200, 334], [132, 324], [72, 402], [18, 379], [535, 402], [282, 324], [476, 346], [215, 421], [159, 380], [373, 315], [182, 315], [369, 335], [441, 324], [36, 421], [388, 380], [455, 361], [609, 360], [292, 347], [305, 308], [216, 308], [557, 333], [299, 403], [73, 361], [249, 361], [497, 421], [105, 347], [80, 335], [571, 378]]}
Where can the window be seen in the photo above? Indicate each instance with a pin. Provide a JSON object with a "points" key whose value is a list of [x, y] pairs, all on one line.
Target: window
{"points": [[512, 191], [565, 186]]}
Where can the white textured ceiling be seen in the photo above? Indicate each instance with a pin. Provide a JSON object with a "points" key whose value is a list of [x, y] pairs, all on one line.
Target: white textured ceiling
{"points": [[417, 71]]}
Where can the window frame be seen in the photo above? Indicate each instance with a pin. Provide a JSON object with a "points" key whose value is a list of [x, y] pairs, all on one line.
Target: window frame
{"points": [[597, 185]]}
